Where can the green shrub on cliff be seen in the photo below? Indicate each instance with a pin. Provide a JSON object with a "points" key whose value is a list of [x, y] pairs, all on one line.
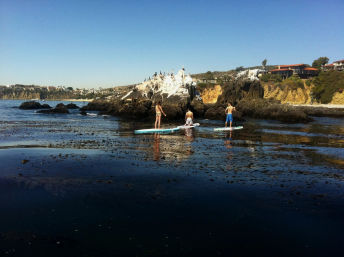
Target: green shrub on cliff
{"points": [[326, 84], [293, 82], [271, 77]]}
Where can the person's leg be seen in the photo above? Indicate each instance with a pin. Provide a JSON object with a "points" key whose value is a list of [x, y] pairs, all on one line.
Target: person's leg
{"points": [[156, 121], [231, 120], [159, 121], [226, 121]]}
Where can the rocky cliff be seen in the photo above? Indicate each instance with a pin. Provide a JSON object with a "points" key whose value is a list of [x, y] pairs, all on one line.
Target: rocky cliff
{"points": [[287, 94], [209, 95], [338, 98]]}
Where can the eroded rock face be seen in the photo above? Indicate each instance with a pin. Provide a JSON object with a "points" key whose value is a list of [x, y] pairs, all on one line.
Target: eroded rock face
{"points": [[338, 98], [236, 90], [33, 105], [288, 95], [210, 95]]}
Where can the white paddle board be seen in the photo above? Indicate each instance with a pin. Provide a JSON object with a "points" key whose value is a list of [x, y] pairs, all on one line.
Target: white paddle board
{"points": [[162, 130], [186, 126], [228, 128]]}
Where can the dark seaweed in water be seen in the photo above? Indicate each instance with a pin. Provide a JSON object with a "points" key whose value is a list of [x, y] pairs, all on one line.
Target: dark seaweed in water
{"points": [[90, 187]]}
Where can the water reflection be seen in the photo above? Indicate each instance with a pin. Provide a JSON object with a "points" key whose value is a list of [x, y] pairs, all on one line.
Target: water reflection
{"points": [[228, 145], [172, 147], [156, 147], [189, 134]]}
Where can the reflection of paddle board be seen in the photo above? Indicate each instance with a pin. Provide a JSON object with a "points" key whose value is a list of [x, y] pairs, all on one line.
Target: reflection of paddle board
{"points": [[186, 127], [147, 131], [228, 129]]}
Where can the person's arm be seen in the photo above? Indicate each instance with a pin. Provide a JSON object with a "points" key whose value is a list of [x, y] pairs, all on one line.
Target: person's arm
{"points": [[162, 111], [185, 116], [192, 116], [226, 110]]}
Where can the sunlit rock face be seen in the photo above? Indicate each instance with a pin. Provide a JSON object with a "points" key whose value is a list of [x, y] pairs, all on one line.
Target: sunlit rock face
{"points": [[169, 84], [210, 95]]}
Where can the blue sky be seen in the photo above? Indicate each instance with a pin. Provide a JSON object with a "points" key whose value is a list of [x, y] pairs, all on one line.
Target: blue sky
{"points": [[107, 43]]}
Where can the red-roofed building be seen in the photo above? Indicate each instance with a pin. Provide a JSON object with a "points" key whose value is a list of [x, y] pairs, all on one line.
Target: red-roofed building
{"points": [[295, 69], [337, 65]]}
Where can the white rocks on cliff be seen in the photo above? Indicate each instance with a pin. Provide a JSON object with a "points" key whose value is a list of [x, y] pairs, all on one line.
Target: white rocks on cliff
{"points": [[249, 74], [169, 84]]}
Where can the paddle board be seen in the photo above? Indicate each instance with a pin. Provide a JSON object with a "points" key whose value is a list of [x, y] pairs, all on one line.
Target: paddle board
{"points": [[186, 127], [228, 129], [163, 130]]}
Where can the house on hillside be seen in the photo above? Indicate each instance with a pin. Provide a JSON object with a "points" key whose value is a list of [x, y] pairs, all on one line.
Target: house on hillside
{"points": [[302, 70], [337, 65]]}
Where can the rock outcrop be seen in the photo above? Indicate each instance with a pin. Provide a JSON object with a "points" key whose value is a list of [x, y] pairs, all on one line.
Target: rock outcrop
{"points": [[287, 94], [31, 105], [72, 106], [60, 108], [270, 109], [209, 95], [338, 98]]}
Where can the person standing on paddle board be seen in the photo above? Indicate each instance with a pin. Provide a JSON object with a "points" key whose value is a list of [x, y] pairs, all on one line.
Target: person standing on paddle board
{"points": [[229, 115], [158, 111], [189, 118]]}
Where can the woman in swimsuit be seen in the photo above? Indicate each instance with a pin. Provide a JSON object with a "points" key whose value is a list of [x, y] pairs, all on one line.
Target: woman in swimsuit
{"points": [[158, 111]]}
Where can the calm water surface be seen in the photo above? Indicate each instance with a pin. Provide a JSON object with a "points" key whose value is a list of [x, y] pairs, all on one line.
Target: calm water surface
{"points": [[90, 187]]}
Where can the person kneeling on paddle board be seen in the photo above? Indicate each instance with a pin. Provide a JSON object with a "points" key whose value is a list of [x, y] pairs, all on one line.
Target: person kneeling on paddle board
{"points": [[158, 111], [229, 115], [189, 118]]}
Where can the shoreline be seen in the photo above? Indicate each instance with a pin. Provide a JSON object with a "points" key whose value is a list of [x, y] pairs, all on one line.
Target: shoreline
{"points": [[319, 105]]}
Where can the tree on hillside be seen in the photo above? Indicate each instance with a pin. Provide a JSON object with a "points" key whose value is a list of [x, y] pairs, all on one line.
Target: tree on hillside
{"points": [[241, 68], [264, 63], [70, 88], [209, 75], [320, 61]]}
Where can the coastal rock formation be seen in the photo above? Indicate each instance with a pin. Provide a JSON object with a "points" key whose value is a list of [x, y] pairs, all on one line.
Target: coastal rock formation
{"points": [[338, 98], [175, 91], [271, 109], [209, 95], [288, 94], [60, 108], [96, 105], [198, 107], [33, 105], [236, 90]]}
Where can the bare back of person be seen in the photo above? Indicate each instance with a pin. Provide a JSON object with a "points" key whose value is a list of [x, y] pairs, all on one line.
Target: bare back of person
{"points": [[229, 109], [189, 114]]}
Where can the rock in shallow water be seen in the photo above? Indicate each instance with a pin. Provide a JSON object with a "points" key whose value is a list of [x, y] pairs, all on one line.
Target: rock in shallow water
{"points": [[33, 105]]}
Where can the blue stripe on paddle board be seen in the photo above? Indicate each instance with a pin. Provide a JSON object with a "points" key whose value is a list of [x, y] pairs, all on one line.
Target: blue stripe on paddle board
{"points": [[144, 131]]}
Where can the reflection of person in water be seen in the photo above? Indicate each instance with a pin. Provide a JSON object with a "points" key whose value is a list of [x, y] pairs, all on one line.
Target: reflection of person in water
{"points": [[228, 145], [228, 140], [156, 147], [189, 134]]}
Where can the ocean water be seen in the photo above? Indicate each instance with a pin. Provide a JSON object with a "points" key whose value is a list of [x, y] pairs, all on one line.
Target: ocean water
{"points": [[74, 185]]}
